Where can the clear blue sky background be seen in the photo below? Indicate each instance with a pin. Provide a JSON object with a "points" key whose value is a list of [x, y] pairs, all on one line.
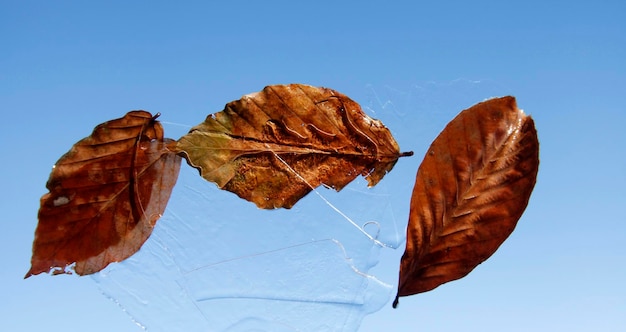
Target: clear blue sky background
{"points": [[66, 66]]}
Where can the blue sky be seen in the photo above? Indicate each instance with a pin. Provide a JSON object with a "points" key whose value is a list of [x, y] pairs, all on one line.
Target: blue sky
{"points": [[67, 66]]}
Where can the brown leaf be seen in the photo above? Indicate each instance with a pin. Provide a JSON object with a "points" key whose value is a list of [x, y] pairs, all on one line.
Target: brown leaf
{"points": [[274, 146], [471, 189], [105, 196]]}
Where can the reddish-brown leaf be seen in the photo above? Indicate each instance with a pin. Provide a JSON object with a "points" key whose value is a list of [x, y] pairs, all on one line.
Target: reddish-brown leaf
{"points": [[105, 196], [274, 146], [471, 189]]}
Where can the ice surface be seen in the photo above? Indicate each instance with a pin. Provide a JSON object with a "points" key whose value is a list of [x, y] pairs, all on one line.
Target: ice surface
{"points": [[217, 263]]}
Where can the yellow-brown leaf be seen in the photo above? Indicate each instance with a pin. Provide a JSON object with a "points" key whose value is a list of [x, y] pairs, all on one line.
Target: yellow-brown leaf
{"points": [[274, 146]]}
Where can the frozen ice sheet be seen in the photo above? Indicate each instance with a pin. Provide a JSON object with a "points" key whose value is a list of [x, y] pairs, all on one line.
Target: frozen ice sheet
{"points": [[217, 263]]}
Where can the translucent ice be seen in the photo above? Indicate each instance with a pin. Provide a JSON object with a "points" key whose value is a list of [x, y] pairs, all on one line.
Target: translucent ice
{"points": [[217, 263]]}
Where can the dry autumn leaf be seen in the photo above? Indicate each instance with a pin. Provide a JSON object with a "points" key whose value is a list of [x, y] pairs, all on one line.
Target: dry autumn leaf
{"points": [[273, 147], [471, 189], [105, 196]]}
